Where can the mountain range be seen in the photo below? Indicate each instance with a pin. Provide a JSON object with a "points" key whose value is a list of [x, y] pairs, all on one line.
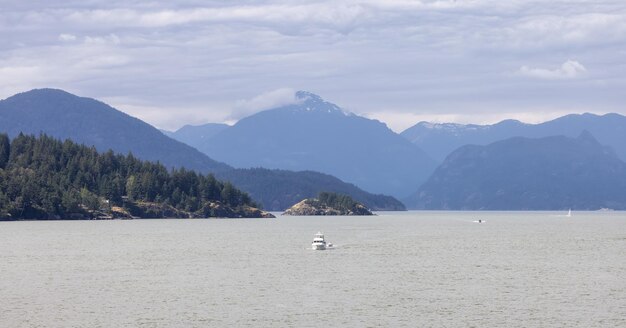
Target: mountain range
{"points": [[87, 121], [550, 173], [511, 165], [313, 134], [90, 122], [440, 139]]}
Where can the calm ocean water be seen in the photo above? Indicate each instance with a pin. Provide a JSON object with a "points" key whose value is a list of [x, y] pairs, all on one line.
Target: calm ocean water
{"points": [[426, 269]]}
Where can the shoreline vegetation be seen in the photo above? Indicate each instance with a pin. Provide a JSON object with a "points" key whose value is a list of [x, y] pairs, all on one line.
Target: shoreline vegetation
{"points": [[42, 178]]}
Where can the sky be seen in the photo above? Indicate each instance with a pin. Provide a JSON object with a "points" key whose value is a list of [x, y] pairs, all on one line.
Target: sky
{"points": [[172, 63]]}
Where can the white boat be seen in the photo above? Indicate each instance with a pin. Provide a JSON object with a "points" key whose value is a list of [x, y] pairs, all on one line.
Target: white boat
{"points": [[569, 213], [318, 242]]}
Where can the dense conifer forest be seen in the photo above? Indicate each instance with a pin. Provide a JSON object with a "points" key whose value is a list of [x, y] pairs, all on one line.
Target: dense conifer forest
{"points": [[44, 178], [338, 201]]}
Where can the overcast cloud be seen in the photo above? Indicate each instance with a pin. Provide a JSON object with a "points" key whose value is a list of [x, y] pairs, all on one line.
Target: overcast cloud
{"points": [[177, 62]]}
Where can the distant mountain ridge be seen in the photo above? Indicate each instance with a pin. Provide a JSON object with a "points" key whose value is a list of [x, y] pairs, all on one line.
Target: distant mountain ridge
{"points": [[277, 190], [440, 139], [313, 134], [84, 120], [196, 135], [551, 173]]}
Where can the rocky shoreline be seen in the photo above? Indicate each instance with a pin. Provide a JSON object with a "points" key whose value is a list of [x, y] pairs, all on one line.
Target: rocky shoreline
{"points": [[149, 210], [313, 206]]}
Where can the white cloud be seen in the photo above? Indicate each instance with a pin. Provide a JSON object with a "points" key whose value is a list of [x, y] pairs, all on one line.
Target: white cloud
{"points": [[67, 37], [18, 79], [168, 116], [111, 38], [558, 30], [272, 99], [102, 62], [569, 70], [457, 58], [325, 15]]}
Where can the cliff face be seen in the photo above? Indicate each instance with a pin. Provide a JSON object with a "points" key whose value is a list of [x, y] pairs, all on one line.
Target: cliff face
{"points": [[313, 206]]}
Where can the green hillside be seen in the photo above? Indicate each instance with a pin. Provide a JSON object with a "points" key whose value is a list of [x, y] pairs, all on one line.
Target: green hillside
{"points": [[44, 178]]}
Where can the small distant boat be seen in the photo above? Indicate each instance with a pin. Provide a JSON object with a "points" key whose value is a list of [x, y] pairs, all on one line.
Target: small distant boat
{"points": [[318, 242], [569, 213]]}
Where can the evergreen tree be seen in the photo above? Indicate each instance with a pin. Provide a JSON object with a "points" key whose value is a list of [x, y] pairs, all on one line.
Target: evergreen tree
{"points": [[343, 202], [5, 150], [229, 194], [41, 177]]}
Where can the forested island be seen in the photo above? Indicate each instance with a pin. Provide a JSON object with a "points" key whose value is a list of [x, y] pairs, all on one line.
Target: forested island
{"points": [[42, 178], [328, 203]]}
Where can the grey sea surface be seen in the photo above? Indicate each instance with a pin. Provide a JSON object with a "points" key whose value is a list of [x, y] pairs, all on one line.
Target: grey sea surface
{"points": [[412, 269]]}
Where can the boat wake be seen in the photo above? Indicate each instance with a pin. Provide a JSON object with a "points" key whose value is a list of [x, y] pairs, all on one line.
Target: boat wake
{"points": [[568, 215], [328, 248]]}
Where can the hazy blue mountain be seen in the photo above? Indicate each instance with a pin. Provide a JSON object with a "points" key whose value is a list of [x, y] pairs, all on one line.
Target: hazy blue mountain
{"points": [[438, 140], [278, 190], [90, 122], [551, 173], [317, 135], [196, 136], [84, 120]]}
